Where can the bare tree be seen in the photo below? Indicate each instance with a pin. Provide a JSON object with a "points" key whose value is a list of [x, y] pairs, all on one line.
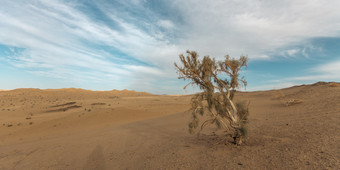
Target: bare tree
{"points": [[219, 81]]}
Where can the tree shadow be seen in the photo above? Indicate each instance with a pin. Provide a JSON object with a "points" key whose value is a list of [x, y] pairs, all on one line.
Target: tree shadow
{"points": [[96, 160]]}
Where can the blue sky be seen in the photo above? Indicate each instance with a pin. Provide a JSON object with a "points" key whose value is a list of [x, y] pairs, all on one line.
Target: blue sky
{"points": [[108, 44]]}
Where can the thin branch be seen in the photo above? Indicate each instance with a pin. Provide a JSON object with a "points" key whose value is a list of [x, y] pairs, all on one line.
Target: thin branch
{"points": [[204, 124]]}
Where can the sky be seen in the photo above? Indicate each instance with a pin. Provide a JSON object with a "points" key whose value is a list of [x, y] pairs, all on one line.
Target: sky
{"points": [[133, 44]]}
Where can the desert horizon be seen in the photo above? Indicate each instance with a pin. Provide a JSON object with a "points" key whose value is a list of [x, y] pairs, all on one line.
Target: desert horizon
{"points": [[132, 91], [76, 89], [146, 84], [295, 127]]}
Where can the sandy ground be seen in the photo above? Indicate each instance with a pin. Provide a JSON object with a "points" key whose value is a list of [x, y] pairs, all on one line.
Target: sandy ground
{"points": [[79, 129]]}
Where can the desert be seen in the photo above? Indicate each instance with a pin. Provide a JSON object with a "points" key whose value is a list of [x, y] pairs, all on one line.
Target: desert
{"points": [[171, 84], [291, 128]]}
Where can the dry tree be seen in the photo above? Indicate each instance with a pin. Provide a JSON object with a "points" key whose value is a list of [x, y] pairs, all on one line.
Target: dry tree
{"points": [[219, 81]]}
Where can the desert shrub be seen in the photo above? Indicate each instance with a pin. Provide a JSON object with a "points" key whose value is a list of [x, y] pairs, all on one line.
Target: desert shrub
{"points": [[219, 81], [333, 84], [291, 102], [243, 112], [282, 98]]}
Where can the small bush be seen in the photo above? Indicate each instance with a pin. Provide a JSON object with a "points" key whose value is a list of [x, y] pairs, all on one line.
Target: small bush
{"points": [[219, 81], [333, 84], [291, 102]]}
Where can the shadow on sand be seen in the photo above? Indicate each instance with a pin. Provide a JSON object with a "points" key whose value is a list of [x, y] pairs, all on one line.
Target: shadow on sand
{"points": [[96, 160]]}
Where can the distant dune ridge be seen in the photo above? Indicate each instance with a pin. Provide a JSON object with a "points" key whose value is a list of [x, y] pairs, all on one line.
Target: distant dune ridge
{"points": [[133, 92], [320, 83], [118, 92], [290, 128]]}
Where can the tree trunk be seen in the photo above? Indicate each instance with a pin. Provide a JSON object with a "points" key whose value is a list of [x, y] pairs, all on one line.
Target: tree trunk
{"points": [[238, 137], [238, 140]]}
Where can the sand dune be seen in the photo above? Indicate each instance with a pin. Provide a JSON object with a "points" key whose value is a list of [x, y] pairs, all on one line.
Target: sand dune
{"points": [[292, 128]]}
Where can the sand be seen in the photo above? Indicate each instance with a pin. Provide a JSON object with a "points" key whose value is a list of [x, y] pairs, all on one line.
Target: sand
{"points": [[292, 128]]}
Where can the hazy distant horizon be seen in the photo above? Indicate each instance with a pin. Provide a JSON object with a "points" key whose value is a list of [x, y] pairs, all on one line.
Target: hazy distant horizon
{"points": [[241, 89]]}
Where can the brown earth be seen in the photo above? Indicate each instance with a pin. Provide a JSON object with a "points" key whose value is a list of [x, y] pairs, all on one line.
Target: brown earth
{"points": [[292, 128]]}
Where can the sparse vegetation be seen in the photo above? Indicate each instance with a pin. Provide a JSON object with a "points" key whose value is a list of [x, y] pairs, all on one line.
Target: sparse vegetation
{"points": [[224, 77], [293, 102], [334, 84], [279, 95]]}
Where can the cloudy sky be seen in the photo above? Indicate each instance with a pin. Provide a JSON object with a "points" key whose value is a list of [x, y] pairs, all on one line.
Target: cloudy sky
{"points": [[116, 44]]}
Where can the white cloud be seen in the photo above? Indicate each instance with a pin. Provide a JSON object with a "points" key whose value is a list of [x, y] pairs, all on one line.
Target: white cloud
{"points": [[292, 52], [324, 72], [61, 41], [56, 35], [256, 27], [167, 24], [330, 68]]}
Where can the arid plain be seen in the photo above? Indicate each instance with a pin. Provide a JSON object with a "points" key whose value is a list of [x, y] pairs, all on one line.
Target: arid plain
{"points": [[292, 128]]}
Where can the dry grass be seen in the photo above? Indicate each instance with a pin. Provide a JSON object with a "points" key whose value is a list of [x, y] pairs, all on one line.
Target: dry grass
{"points": [[291, 102], [333, 84], [279, 95]]}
